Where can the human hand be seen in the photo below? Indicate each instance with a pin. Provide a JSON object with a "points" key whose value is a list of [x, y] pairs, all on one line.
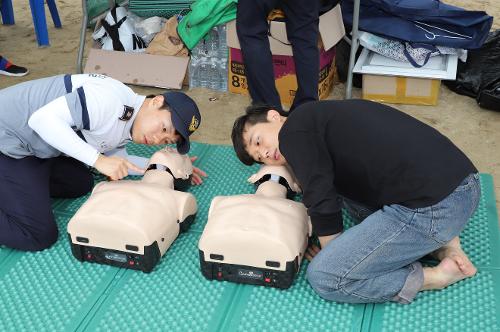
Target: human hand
{"points": [[312, 251], [114, 167], [196, 179]]}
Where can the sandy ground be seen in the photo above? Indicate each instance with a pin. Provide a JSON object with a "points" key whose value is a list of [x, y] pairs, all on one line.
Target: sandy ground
{"points": [[476, 131]]}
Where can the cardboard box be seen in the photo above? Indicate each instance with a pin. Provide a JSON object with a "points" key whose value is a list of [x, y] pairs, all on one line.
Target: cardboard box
{"points": [[331, 30], [138, 68], [401, 90], [391, 81], [284, 75]]}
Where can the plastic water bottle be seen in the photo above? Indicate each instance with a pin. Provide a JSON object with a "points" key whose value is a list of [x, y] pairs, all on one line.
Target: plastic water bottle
{"points": [[208, 65], [203, 70], [199, 75], [212, 43], [194, 80], [223, 50], [215, 75], [223, 74]]}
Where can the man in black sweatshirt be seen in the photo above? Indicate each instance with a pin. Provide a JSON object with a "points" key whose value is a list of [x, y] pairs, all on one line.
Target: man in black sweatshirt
{"points": [[411, 186]]}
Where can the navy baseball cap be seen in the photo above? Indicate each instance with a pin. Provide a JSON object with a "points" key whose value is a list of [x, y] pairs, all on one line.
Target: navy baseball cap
{"points": [[186, 117]]}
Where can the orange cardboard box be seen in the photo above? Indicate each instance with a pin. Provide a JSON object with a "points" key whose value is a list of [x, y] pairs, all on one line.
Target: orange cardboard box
{"points": [[284, 75]]}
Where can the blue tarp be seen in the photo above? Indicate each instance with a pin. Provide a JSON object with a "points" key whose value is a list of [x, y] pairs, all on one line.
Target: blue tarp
{"points": [[423, 21]]}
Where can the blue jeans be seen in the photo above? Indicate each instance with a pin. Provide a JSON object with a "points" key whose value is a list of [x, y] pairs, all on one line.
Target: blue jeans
{"points": [[377, 260]]}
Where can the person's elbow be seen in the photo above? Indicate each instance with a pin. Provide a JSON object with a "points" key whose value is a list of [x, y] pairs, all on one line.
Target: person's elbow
{"points": [[35, 121]]}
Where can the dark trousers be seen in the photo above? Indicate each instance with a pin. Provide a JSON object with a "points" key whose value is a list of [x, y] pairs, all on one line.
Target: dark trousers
{"points": [[302, 19], [26, 186]]}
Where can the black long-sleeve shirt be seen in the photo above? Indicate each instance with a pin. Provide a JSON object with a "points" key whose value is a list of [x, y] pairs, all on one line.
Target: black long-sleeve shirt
{"points": [[369, 153]]}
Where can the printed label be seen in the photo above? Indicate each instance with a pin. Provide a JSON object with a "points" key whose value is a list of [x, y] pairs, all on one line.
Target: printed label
{"points": [[243, 273]]}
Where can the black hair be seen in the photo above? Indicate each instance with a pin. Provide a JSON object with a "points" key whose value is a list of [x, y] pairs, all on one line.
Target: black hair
{"points": [[253, 114]]}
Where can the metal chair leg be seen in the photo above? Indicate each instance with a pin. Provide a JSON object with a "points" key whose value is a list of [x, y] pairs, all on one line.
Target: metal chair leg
{"points": [[354, 48], [83, 32]]}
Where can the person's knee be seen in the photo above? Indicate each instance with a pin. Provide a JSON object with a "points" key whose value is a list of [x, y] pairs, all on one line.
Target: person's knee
{"points": [[321, 281], [43, 238], [73, 189], [329, 282], [85, 185], [48, 237]]}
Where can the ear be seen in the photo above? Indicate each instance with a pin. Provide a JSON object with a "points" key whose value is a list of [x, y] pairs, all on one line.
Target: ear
{"points": [[158, 101], [273, 115]]}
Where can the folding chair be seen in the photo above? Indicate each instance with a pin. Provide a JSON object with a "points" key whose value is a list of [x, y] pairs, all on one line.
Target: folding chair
{"points": [[39, 20]]}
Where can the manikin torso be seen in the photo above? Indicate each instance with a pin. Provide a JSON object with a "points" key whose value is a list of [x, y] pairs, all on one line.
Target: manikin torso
{"points": [[138, 212], [253, 228]]}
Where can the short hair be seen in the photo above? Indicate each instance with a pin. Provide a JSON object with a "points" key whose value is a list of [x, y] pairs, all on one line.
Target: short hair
{"points": [[253, 114]]}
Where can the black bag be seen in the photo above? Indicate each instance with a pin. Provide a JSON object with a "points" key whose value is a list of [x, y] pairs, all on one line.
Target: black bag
{"points": [[479, 76]]}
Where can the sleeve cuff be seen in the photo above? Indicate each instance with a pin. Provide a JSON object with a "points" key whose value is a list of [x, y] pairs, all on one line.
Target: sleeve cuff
{"points": [[323, 226]]}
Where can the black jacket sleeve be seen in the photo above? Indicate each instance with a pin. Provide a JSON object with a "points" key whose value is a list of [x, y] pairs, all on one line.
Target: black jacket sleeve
{"points": [[307, 155]]}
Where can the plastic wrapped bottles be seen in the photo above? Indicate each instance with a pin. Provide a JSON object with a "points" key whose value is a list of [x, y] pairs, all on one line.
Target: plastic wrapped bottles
{"points": [[208, 65]]}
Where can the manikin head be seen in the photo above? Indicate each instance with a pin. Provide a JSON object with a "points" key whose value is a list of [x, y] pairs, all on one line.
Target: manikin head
{"points": [[165, 119], [255, 136], [275, 181], [168, 162]]}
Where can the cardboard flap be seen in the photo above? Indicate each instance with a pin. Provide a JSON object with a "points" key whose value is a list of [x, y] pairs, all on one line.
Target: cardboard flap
{"points": [[331, 27], [139, 68]]}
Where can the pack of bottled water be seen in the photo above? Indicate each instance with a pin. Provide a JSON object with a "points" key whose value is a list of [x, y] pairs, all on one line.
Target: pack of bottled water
{"points": [[208, 64]]}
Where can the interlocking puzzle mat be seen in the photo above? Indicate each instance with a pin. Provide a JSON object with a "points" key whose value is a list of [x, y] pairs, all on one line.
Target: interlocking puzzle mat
{"points": [[52, 291]]}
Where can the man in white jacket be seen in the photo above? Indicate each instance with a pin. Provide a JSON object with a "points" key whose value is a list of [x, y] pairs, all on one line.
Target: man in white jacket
{"points": [[87, 117]]}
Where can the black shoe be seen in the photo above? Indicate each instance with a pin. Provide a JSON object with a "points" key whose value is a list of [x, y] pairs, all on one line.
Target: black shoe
{"points": [[13, 70]]}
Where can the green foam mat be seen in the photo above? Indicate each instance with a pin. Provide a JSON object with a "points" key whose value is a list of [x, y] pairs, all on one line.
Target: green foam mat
{"points": [[471, 305], [179, 298], [175, 297], [49, 290], [481, 237], [52, 291], [295, 309]]}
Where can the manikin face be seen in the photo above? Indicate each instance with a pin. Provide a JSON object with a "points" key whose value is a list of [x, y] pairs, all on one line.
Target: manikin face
{"points": [[179, 164], [153, 125], [261, 140]]}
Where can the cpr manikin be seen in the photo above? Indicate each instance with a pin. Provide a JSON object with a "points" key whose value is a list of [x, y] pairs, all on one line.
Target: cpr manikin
{"points": [[131, 223], [256, 238]]}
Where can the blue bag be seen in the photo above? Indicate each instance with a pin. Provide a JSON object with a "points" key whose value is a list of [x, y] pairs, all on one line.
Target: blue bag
{"points": [[421, 21]]}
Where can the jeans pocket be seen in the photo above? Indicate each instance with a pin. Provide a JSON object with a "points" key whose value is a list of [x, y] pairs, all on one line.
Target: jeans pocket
{"points": [[450, 216], [442, 231], [468, 182]]}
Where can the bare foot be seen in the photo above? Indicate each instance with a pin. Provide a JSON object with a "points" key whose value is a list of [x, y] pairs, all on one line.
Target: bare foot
{"points": [[446, 273], [454, 251]]}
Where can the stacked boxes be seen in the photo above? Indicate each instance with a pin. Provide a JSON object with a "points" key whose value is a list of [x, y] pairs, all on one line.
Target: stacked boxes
{"points": [[331, 30]]}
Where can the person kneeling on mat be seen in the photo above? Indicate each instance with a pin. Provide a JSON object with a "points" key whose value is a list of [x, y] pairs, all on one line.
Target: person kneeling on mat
{"points": [[411, 187], [85, 117]]}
